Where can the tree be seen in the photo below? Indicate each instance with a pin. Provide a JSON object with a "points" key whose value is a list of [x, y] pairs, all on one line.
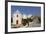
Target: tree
{"points": [[24, 21], [11, 20]]}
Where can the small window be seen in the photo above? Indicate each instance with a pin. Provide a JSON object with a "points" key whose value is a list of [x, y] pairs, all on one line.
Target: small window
{"points": [[17, 15]]}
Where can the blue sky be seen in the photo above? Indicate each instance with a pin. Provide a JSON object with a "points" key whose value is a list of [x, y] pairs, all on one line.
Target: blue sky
{"points": [[35, 11]]}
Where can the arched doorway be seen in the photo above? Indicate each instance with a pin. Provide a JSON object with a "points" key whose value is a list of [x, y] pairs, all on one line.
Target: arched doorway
{"points": [[16, 21]]}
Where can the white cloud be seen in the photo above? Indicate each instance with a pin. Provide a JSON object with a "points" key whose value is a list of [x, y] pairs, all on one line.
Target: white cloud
{"points": [[24, 16], [29, 15]]}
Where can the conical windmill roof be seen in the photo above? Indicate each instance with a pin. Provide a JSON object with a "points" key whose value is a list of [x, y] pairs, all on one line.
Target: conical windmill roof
{"points": [[18, 12]]}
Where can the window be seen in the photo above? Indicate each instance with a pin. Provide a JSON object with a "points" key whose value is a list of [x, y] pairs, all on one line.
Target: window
{"points": [[17, 15]]}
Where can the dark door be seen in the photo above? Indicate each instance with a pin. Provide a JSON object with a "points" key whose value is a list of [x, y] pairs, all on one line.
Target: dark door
{"points": [[16, 21]]}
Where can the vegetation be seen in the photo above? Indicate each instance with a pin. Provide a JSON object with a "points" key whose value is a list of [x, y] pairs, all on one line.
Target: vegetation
{"points": [[11, 20], [24, 21]]}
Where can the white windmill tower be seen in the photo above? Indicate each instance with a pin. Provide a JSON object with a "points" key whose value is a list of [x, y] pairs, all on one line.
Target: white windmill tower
{"points": [[17, 18]]}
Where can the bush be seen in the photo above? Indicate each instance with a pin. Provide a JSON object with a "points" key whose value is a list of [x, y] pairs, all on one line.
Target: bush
{"points": [[24, 21]]}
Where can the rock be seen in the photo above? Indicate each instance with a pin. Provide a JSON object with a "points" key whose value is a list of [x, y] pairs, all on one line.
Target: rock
{"points": [[35, 19]]}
